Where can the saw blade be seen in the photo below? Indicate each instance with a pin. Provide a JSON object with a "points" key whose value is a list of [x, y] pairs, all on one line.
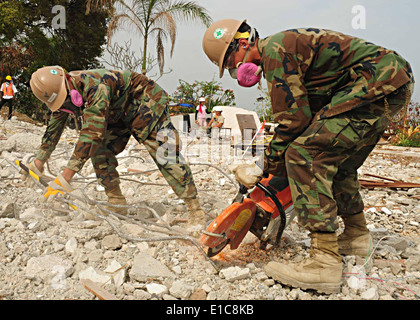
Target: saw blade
{"points": [[211, 252]]}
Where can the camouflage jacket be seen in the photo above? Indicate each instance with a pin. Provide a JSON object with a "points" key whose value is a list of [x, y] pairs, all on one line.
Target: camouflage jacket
{"points": [[108, 97], [316, 74]]}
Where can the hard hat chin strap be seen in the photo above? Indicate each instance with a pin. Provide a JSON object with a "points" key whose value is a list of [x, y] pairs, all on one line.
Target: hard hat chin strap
{"points": [[76, 97], [251, 38]]}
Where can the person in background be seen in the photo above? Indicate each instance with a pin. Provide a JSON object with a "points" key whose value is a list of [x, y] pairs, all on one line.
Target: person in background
{"points": [[201, 113], [8, 92], [217, 121]]}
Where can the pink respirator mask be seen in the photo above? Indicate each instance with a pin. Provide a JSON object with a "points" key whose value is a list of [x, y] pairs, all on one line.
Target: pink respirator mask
{"points": [[76, 99], [248, 74]]}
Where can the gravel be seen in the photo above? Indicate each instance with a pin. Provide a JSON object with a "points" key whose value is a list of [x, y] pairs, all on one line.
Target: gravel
{"points": [[47, 249]]}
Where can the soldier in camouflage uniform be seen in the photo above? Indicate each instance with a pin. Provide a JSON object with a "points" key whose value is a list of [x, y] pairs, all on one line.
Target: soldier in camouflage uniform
{"points": [[333, 96], [114, 105]]}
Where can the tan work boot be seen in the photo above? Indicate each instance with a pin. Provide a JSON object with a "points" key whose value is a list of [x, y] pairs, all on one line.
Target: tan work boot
{"points": [[322, 271], [196, 216], [356, 239], [116, 197]]}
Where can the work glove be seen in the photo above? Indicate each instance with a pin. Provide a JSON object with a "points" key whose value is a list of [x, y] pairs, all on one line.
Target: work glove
{"points": [[248, 174], [58, 186], [26, 177]]}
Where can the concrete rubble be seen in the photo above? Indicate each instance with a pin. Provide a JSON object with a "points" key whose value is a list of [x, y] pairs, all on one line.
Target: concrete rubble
{"points": [[46, 250]]}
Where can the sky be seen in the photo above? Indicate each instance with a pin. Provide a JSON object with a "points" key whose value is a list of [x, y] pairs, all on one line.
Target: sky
{"points": [[391, 24]]}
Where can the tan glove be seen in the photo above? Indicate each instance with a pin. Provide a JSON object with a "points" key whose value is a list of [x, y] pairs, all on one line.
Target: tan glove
{"points": [[26, 177], [248, 174], [58, 186]]}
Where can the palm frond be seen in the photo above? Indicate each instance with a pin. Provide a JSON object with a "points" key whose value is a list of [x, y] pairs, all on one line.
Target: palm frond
{"points": [[190, 10], [160, 49], [119, 21], [166, 21], [98, 5]]}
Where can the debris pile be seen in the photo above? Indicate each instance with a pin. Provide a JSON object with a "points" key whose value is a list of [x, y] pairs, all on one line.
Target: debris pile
{"points": [[50, 252]]}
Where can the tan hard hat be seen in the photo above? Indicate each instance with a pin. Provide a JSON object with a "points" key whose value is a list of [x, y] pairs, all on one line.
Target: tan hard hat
{"points": [[49, 85], [217, 39]]}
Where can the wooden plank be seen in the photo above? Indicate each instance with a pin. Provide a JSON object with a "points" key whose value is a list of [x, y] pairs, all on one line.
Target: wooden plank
{"points": [[379, 184], [247, 125], [98, 291], [380, 177]]}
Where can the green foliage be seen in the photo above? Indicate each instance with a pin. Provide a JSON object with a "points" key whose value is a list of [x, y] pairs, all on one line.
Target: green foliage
{"points": [[11, 19], [407, 130], [211, 90], [28, 41]]}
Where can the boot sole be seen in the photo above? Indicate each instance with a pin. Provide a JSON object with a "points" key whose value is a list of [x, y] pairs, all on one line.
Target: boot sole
{"points": [[321, 288], [354, 252]]}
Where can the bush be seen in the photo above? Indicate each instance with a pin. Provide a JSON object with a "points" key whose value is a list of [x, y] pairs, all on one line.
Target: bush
{"points": [[407, 131]]}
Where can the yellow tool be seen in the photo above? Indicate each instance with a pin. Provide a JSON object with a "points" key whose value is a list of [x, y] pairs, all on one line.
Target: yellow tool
{"points": [[37, 178]]}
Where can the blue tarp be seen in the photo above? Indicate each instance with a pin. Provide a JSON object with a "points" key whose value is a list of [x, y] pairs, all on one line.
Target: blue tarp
{"points": [[186, 105]]}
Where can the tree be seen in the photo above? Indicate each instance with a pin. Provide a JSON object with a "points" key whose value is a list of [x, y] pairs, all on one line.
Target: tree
{"points": [[27, 30], [122, 57], [155, 18], [11, 20], [212, 90]]}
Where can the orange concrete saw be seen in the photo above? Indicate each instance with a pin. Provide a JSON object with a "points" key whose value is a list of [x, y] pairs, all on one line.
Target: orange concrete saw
{"points": [[265, 212]]}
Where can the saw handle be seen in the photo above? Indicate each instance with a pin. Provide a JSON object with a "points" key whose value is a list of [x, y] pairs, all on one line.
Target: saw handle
{"points": [[243, 189], [279, 207]]}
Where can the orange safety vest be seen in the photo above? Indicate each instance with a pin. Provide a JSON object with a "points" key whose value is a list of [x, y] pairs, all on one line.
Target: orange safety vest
{"points": [[7, 89]]}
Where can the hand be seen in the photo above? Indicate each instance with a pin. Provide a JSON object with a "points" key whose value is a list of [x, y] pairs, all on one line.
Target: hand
{"points": [[248, 174], [37, 169], [196, 121], [59, 185]]}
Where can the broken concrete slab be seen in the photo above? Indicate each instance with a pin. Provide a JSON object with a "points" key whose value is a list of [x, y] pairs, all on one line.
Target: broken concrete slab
{"points": [[42, 267], [145, 268], [117, 272], [181, 290], [235, 273], [94, 275]]}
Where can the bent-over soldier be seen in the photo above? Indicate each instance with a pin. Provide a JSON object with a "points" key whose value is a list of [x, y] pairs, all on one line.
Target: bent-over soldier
{"points": [[114, 105], [332, 97]]}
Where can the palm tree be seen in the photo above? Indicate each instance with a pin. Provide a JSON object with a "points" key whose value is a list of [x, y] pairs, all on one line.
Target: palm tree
{"points": [[155, 18], [106, 5]]}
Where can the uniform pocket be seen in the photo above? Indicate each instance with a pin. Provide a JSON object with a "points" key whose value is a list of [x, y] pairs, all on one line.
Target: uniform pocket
{"points": [[363, 124], [343, 135]]}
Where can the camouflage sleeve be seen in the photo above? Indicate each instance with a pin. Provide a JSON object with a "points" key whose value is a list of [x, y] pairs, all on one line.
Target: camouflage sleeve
{"points": [[290, 105], [95, 125], [52, 135]]}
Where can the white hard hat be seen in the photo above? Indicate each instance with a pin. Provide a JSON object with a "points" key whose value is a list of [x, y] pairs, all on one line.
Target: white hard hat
{"points": [[202, 99], [215, 109]]}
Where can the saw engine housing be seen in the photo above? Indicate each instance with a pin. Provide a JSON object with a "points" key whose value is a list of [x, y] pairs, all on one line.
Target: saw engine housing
{"points": [[265, 212]]}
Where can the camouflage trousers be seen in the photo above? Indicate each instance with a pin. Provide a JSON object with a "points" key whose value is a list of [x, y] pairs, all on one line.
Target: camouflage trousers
{"points": [[163, 145], [321, 164]]}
